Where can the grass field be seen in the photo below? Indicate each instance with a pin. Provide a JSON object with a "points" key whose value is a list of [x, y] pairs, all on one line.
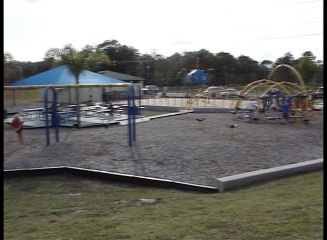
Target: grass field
{"points": [[70, 207], [21, 95]]}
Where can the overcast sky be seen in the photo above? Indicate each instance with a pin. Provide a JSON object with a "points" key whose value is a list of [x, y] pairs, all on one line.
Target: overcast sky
{"points": [[260, 29]]}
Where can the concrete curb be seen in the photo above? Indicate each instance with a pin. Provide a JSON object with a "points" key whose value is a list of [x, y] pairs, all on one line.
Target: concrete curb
{"points": [[111, 176], [137, 120], [225, 183], [244, 179], [162, 108], [212, 110]]}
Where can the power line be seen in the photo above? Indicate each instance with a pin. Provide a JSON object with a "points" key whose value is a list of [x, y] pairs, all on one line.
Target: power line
{"points": [[295, 36], [303, 2]]}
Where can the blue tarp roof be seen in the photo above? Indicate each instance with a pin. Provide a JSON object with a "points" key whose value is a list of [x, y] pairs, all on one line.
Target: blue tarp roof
{"points": [[62, 76], [197, 76]]}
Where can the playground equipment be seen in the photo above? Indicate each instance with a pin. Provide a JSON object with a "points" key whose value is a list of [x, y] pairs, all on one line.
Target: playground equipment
{"points": [[204, 95], [192, 100], [133, 110], [196, 76], [267, 96]]}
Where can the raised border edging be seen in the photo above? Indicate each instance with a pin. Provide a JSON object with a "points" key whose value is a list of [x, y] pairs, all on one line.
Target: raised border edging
{"points": [[211, 110], [245, 179], [162, 108], [117, 177], [223, 184]]}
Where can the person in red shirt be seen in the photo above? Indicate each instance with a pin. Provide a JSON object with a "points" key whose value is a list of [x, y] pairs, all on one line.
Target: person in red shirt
{"points": [[304, 106], [17, 124]]}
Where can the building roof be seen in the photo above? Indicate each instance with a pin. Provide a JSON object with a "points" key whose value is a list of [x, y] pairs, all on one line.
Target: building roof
{"points": [[197, 76], [121, 76], [62, 76]]}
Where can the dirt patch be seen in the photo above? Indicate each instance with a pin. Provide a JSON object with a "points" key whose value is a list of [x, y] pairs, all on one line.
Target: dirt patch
{"points": [[178, 148]]}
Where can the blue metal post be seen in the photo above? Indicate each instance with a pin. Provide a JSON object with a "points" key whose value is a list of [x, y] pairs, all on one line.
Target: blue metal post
{"points": [[134, 112], [140, 101], [55, 117], [129, 115], [55, 112]]}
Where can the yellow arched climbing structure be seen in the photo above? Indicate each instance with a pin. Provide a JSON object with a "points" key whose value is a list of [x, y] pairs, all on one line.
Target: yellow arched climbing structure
{"points": [[261, 87], [194, 99]]}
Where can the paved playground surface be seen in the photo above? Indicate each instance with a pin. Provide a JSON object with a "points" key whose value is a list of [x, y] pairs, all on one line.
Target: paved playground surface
{"points": [[177, 148]]}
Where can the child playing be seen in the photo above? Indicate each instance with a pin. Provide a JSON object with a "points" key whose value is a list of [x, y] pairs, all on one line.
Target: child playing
{"points": [[285, 111], [17, 124]]}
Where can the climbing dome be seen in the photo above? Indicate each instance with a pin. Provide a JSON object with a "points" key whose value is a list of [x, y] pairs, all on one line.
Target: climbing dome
{"points": [[263, 91]]}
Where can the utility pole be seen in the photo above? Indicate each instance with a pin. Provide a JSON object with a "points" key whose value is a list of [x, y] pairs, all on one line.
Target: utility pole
{"points": [[148, 73], [225, 75]]}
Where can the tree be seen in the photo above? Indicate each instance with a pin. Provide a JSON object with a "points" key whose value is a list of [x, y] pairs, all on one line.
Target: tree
{"points": [[309, 55], [306, 67], [211, 72], [172, 69], [125, 59], [77, 62], [226, 68], [284, 74], [319, 76], [265, 68], [12, 69]]}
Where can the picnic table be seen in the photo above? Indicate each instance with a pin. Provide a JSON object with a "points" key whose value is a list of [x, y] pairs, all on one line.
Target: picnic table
{"points": [[32, 113], [102, 113], [64, 115], [67, 115], [124, 108], [74, 106], [91, 110]]}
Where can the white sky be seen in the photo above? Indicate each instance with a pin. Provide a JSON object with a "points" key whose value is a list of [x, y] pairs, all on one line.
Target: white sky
{"points": [[260, 29]]}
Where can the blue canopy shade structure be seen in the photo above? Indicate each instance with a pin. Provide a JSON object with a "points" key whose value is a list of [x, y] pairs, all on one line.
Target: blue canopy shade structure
{"points": [[62, 76], [197, 76]]}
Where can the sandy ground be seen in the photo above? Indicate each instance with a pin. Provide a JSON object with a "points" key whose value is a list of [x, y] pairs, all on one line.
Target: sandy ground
{"points": [[178, 148]]}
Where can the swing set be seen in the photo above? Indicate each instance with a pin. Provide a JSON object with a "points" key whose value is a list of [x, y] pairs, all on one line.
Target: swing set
{"points": [[132, 110]]}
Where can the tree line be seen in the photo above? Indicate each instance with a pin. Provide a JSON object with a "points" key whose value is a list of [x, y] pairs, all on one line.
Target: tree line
{"points": [[223, 68]]}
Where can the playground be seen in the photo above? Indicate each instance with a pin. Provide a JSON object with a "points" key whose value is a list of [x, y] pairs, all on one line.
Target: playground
{"points": [[177, 148], [193, 147]]}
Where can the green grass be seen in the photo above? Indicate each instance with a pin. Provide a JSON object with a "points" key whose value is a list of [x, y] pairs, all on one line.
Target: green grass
{"points": [[70, 207], [22, 95], [146, 113], [6, 126]]}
